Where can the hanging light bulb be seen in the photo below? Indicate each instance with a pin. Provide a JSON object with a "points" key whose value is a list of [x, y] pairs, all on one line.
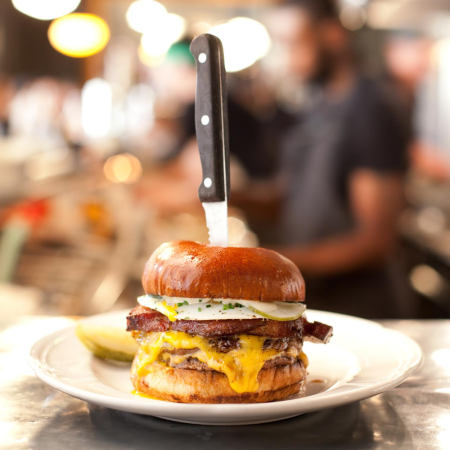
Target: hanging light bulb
{"points": [[46, 9], [79, 35]]}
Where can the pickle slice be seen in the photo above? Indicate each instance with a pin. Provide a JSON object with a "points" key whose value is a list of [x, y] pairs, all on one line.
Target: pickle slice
{"points": [[112, 343], [276, 310]]}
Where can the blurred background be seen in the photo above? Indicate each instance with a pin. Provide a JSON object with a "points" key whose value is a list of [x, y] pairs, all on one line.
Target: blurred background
{"points": [[339, 136]]}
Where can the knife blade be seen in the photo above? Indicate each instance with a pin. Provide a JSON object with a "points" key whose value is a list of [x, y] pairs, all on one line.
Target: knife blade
{"points": [[211, 124]]}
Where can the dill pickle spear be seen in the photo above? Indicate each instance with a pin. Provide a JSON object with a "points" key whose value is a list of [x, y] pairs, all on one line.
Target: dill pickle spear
{"points": [[105, 342]]}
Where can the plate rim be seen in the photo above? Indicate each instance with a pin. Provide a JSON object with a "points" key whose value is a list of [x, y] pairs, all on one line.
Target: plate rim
{"points": [[280, 410]]}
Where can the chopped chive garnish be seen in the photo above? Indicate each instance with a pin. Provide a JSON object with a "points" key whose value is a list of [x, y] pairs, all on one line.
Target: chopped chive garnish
{"points": [[208, 306], [185, 303], [220, 301], [199, 309], [225, 307], [179, 304], [200, 300], [238, 305], [230, 306]]}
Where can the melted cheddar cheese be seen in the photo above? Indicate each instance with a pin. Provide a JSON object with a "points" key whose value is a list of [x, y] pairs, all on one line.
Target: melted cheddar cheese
{"points": [[140, 394], [241, 365]]}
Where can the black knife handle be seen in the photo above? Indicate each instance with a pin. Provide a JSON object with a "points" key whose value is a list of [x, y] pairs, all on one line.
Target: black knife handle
{"points": [[211, 118]]}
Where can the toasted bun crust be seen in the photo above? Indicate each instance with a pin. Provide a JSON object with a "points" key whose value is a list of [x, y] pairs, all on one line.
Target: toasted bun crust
{"points": [[210, 386], [190, 269]]}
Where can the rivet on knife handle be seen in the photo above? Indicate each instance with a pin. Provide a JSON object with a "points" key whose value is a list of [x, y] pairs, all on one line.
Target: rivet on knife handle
{"points": [[211, 118]]}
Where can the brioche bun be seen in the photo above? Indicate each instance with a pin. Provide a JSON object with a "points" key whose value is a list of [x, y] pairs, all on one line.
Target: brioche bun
{"points": [[191, 269], [210, 386]]}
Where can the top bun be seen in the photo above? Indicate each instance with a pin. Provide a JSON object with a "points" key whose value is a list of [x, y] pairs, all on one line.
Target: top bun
{"points": [[190, 269]]}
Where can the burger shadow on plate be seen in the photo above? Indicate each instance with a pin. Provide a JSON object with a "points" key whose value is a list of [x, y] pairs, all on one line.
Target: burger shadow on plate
{"points": [[343, 427]]}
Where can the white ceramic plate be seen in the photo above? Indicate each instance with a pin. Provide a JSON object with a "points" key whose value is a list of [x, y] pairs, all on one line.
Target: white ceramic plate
{"points": [[363, 359]]}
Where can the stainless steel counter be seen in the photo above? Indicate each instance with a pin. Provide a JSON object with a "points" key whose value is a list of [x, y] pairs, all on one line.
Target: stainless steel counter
{"points": [[415, 415]]}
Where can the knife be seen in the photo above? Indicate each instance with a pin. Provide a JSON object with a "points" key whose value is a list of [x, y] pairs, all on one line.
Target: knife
{"points": [[211, 124]]}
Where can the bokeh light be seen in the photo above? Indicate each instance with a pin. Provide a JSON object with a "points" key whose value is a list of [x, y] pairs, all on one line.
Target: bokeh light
{"points": [[200, 28], [149, 60], [143, 14], [124, 168], [96, 108], [353, 17], [426, 280], [245, 41], [176, 25], [356, 2], [431, 220], [154, 45], [46, 9], [159, 37], [79, 35]]}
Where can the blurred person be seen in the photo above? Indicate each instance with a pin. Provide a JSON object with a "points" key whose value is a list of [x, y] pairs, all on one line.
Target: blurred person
{"points": [[341, 170]]}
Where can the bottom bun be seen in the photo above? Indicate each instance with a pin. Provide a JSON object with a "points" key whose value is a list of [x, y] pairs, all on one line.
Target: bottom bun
{"points": [[210, 386]]}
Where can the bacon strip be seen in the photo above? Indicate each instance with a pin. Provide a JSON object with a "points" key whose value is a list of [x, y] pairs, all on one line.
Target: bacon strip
{"points": [[317, 332], [148, 320]]}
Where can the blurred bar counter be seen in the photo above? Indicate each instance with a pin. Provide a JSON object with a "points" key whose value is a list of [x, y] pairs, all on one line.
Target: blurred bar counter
{"points": [[414, 415], [425, 235]]}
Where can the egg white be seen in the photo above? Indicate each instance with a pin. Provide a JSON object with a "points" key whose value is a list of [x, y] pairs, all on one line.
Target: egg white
{"points": [[220, 309]]}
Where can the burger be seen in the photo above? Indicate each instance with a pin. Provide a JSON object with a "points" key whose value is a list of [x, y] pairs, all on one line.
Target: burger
{"points": [[221, 325]]}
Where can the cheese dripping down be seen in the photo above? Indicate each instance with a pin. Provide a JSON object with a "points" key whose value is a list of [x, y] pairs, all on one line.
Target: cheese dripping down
{"points": [[241, 365]]}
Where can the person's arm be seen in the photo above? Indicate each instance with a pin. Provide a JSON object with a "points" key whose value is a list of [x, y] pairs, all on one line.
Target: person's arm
{"points": [[376, 201]]}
